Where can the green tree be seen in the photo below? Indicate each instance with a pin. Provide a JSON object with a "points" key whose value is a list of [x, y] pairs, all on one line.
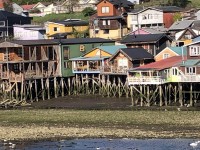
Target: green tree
{"points": [[88, 11], [8, 6], [177, 16], [179, 3]]}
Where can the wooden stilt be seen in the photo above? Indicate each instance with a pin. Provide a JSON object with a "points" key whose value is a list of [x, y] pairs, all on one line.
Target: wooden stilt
{"points": [[191, 96], [141, 98], [48, 90], [132, 99], [62, 87], [36, 90], [160, 93], [55, 87], [148, 95], [42, 86], [180, 94]]}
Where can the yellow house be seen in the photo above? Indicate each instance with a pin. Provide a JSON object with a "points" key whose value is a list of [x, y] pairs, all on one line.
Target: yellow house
{"points": [[70, 28], [169, 52]]}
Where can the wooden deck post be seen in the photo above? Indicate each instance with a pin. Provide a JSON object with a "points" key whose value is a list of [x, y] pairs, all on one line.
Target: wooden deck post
{"points": [[36, 90], [48, 90], [141, 97], [148, 96], [43, 92], [55, 87], [160, 93], [62, 87], [180, 94], [191, 96]]}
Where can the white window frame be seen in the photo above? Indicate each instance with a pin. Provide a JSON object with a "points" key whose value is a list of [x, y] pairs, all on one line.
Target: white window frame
{"points": [[134, 18], [165, 55], [123, 62], [105, 9], [190, 70], [194, 50], [3, 23]]}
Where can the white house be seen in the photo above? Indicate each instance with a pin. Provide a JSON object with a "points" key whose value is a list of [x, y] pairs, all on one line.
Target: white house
{"points": [[29, 32], [143, 18]]}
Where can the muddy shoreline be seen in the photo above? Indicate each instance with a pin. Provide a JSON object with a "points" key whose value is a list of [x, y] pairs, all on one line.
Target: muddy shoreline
{"points": [[35, 132]]}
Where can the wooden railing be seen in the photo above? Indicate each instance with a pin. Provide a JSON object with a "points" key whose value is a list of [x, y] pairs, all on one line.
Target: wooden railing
{"points": [[146, 80], [190, 78], [114, 70], [86, 69]]}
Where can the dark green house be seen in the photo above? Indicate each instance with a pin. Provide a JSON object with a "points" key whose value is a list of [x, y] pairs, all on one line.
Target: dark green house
{"points": [[71, 48]]}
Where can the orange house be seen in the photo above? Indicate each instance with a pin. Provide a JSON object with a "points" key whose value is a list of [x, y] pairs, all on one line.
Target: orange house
{"points": [[110, 21]]}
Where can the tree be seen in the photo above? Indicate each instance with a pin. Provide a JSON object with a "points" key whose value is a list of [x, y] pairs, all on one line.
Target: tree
{"points": [[8, 6], [70, 5], [88, 11], [179, 3], [177, 16]]}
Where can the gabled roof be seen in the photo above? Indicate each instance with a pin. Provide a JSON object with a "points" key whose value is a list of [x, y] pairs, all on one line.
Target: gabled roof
{"points": [[122, 3], [111, 49], [191, 32], [134, 53], [179, 50], [89, 58], [140, 10], [170, 8], [162, 64], [180, 25], [28, 7], [147, 38], [149, 30]]}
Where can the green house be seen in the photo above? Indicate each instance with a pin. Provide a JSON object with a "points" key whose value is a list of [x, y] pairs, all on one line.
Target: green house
{"points": [[71, 48]]}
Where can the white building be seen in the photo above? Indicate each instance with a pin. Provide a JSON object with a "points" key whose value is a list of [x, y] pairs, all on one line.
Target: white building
{"points": [[28, 32], [143, 18]]}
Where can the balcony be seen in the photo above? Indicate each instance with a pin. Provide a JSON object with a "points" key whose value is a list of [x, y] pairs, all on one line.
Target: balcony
{"points": [[114, 70], [146, 80]]}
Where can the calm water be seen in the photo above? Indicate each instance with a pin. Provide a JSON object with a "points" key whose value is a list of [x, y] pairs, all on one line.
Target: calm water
{"points": [[108, 144]]}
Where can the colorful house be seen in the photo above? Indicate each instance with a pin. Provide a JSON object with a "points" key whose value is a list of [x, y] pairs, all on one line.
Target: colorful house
{"points": [[69, 28], [172, 69], [170, 52], [110, 20], [153, 43], [94, 60], [126, 58]]}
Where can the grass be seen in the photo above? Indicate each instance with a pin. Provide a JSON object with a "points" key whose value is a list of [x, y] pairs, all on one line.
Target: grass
{"points": [[98, 118], [58, 17]]}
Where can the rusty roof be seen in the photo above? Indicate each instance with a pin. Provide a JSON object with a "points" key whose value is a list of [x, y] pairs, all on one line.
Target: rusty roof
{"points": [[162, 64]]}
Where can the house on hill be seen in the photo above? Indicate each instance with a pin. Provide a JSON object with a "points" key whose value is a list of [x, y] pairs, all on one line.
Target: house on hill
{"points": [[69, 28], [145, 18], [110, 21]]}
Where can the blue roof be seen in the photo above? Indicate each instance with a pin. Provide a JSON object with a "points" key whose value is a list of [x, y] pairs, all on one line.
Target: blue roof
{"points": [[111, 49], [191, 62], [178, 50], [89, 58]]}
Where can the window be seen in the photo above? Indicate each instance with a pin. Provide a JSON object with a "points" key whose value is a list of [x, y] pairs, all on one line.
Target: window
{"points": [[19, 52], [165, 56], [67, 64], [55, 29], [66, 52], [144, 17], [106, 22], [16, 67], [98, 53], [189, 36], [194, 50], [105, 9], [191, 70], [122, 62], [174, 71], [134, 18], [106, 31], [2, 23], [1, 33]]}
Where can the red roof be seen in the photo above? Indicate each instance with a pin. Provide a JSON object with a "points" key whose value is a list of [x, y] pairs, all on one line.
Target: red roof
{"points": [[163, 64], [27, 7]]}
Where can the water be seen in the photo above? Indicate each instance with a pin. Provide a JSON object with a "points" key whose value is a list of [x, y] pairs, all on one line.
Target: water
{"points": [[107, 144]]}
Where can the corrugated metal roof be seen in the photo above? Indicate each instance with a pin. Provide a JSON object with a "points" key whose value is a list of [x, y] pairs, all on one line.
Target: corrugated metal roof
{"points": [[111, 49], [170, 8], [180, 25], [190, 62], [150, 38], [137, 53], [89, 58], [178, 50], [162, 64]]}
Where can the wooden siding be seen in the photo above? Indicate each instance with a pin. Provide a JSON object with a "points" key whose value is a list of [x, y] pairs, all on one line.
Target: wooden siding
{"points": [[105, 3], [94, 52], [168, 51]]}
